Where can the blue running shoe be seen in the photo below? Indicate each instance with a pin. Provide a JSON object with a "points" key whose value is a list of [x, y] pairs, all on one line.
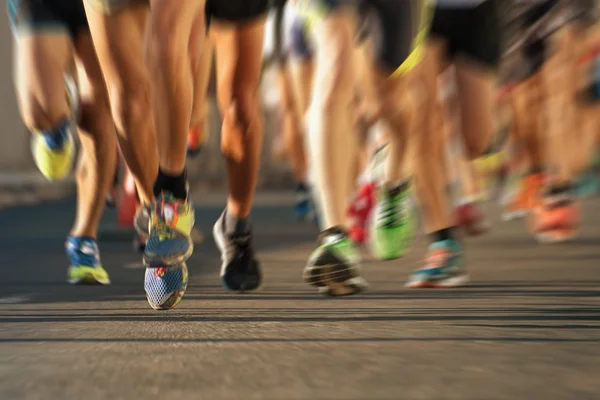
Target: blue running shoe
{"points": [[442, 268], [165, 287], [303, 209], [85, 266]]}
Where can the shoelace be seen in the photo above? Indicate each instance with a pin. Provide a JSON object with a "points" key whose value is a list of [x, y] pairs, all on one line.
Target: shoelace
{"points": [[391, 213], [165, 231]]}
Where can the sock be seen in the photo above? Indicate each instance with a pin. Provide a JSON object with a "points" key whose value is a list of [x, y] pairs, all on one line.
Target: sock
{"points": [[55, 137], [442, 235], [174, 184], [235, 225]]}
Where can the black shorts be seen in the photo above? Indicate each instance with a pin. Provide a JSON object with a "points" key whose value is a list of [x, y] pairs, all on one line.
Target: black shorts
{"points": [[472, 32], [396, 27], [237, 11], [32, 15]]}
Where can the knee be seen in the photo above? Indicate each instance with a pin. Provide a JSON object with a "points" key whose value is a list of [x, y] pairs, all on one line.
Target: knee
{"points": [[131, 104], [248, 105]]}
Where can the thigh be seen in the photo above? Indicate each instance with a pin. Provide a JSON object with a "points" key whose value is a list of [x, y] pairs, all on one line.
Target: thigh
{"points": [[250, 39], [119, 43], [115, 6], [41, 61]]}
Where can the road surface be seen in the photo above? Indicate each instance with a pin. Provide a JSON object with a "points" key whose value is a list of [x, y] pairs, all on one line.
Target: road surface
{"points": [[527, 328]]}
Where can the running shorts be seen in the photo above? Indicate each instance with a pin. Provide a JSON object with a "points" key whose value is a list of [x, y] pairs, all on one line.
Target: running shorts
{"points": [[237, 11], [32, 15], [473, 32], [537, 21], [397, 28]]}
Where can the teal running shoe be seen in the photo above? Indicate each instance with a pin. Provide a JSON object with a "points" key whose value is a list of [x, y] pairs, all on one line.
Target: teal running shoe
{"points": [[443, 267]]}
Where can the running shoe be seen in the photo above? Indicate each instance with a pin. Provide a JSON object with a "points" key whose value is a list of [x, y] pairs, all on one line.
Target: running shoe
{"points": [[303, 208], [588, 185], [141, 220], [111, 197], [394, 224], [442, 268], [555, 218], [169, 242], [520, 203], [54, 151], [85, 266], [472, 219], [195, 141], [240, 270], [334, 267], [359, 212], [165, 286]]}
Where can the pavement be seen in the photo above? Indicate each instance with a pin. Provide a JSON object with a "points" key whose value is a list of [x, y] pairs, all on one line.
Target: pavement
{"points": [[528, 327]]}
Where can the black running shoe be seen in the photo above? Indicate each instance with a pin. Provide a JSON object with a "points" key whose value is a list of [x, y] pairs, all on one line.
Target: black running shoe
{"points": [[240, 270]]}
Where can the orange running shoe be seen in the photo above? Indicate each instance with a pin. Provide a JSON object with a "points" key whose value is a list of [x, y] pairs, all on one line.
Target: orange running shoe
{"points": [[195, 141], [525, 199], [555, 218]]}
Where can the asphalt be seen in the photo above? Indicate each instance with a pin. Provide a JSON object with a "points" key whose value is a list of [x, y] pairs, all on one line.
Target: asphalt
{"points": [[528, 327]]}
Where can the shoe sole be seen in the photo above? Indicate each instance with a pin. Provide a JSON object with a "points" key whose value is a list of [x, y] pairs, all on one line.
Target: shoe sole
{"points": [[457, 281], [182, 289], [221, 246], [556, 237], [335, 279], [161, 261], [89, 279]]}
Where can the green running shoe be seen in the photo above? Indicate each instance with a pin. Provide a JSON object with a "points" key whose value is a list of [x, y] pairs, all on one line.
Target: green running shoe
{"points": [[394, 223]]}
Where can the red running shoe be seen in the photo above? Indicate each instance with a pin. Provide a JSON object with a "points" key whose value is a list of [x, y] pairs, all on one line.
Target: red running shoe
{"points": [[471, 217], [359, 212]]}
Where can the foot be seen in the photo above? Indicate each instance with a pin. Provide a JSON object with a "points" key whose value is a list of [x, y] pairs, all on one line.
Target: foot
{"points": [[141, 221], [471, 217], [165, 286], [359, 212], [195, 142], [54, 151], [303, 208], [240, 270], [443, 267], [519, 204], [394, 224], [555, 217], [169, 242], [85, 266], [334, 267]]}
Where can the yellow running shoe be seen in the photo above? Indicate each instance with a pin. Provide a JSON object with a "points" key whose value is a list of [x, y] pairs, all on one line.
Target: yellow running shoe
{"points": [[85, 265], [54, 151]]}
